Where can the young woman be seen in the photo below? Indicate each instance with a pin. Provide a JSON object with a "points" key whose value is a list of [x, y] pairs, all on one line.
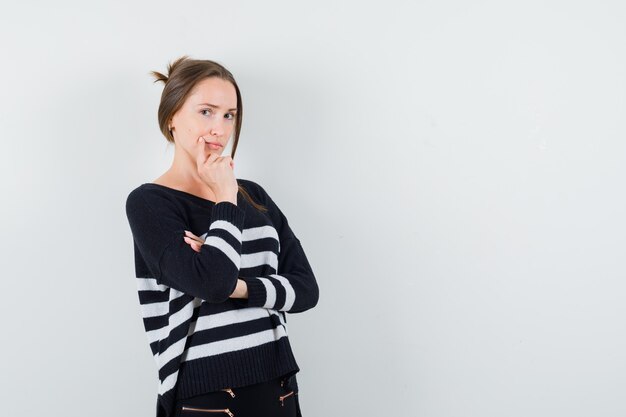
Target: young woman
{"points": [[217, 264]]}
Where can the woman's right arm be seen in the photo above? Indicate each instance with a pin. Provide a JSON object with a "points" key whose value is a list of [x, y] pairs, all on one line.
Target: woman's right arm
{"points": [[158, 230]]}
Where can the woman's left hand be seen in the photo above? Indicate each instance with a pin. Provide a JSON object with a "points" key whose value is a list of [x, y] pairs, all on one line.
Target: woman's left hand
{"points": [[194, 241]]}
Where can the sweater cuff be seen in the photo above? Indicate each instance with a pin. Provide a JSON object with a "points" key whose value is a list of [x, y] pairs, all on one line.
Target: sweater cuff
{"points": [[257, 294], [232, 213]]}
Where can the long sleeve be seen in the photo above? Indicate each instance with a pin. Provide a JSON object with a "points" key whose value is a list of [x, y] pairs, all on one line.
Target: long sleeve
{"points": [[158, 230], [293, 288]]}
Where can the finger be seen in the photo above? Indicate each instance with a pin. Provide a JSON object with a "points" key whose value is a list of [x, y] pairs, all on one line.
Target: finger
{"points": [[196, 239], [191, 235], [201, 157], [194, 245], [230, 161], [226, 160], [213, 157]]}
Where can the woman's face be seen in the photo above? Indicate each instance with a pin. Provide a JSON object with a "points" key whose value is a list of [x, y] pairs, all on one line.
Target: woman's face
{"points": [[209, 112]]}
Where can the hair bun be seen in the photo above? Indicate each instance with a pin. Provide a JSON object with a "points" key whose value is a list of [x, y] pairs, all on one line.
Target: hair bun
{"points": [[171, 67], [159, 77]]}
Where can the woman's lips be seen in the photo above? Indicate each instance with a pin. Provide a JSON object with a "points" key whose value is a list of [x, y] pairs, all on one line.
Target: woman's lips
{"points": [[213, 145]]}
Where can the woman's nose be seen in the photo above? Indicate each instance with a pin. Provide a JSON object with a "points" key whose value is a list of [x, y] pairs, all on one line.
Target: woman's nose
{"points": [[217, 129]]}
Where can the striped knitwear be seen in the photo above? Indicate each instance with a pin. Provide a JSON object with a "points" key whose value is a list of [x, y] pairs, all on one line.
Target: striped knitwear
{"points": [[201, 339]]}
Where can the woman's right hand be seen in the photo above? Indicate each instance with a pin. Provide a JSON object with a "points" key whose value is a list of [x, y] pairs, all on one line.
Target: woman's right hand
{"points": [[218, 173]]}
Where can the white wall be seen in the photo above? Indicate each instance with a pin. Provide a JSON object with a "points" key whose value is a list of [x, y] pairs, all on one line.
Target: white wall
{"points": [[454, 170]]}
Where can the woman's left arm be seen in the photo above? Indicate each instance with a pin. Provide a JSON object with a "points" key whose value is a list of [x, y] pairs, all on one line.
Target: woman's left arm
{"points": [[293, 288]]}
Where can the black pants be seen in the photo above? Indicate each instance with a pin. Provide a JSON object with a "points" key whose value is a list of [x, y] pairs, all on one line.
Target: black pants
{"points": [[274, 398]]}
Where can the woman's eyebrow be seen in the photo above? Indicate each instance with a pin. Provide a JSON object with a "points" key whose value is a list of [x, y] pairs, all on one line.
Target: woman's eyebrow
{"points": [[213, 105]]}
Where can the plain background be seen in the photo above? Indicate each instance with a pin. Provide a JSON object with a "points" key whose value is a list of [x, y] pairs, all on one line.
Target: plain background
{"points": [[454, 170]]}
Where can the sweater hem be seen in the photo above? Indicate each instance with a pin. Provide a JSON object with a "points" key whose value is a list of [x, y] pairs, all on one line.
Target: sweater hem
{"points": [[236, 369]]}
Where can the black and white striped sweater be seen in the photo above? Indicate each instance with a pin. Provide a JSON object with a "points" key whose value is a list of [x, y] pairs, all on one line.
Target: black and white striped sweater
{"points": [[201, 339]]}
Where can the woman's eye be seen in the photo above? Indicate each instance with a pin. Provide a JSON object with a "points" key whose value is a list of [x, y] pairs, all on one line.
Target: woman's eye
{"points": [[202, 111], [232, 116]]}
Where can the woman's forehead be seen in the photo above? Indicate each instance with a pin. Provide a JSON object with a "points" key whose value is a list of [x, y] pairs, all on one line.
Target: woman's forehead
{"points": [[214, 91]]}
